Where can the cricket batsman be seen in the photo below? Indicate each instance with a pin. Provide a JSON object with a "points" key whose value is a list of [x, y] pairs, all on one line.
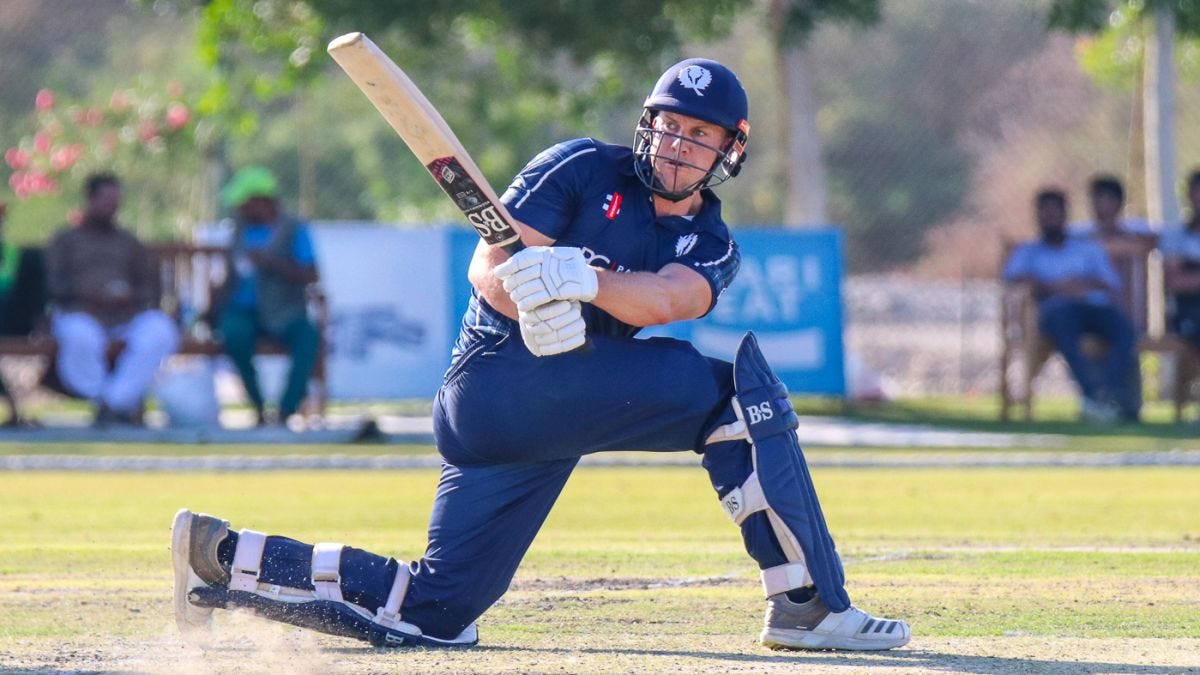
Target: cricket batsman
{"points": [[617, 238]]}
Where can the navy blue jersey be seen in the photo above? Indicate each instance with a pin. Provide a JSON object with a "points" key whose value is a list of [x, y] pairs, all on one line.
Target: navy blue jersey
{"points": [[584, 193]]}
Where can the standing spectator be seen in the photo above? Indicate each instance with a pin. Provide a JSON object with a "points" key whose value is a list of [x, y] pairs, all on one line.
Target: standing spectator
{"points": [[1181, 266], [103, 285], [22, 304], [1074, 282], [272, 263]]}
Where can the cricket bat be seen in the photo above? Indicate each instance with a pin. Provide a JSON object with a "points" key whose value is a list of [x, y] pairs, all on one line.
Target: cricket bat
{"points": [[429, 137]]}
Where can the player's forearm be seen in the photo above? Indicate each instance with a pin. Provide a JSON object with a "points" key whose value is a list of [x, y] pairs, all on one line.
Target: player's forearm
{"points": [[484, 261], [652, 299], [486, 284], [1073, 287], [288, 269]]}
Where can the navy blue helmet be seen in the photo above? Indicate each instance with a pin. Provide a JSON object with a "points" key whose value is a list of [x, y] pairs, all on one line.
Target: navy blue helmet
{"points": [[705, 90]]}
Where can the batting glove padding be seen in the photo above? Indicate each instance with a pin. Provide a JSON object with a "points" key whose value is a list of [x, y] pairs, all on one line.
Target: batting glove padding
{"points": [[553, 328], [543, 274]]}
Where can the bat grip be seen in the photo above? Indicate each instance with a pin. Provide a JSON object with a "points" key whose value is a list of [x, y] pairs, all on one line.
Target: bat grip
{"points": [[515, 247]]}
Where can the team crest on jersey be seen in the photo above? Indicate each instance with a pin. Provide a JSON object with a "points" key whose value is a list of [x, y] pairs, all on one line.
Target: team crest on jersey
{"points": [[696, 78], [612, 205], [685, 244]]}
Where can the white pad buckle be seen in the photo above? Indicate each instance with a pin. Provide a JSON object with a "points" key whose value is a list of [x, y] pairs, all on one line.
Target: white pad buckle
{"points": [[389, 614], [734, 431], [745, 500], [785, 577], [247, 561], [326, 575]]}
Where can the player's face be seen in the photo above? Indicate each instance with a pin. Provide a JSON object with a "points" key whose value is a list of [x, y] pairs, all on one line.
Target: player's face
{"points": [[684, 149], [1051, 217], [260, 210], [1105, 206], [104, 203]]}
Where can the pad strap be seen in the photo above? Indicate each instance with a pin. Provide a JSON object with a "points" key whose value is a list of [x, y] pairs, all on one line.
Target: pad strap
{"points": [[247, 561], [326, 576], [785, 577], [734, 431], [745, 500], [766, 410], [389, 614]]}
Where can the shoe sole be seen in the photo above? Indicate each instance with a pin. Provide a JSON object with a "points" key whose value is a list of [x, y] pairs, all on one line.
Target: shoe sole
{"points": [[795, 639], [192, 621]]}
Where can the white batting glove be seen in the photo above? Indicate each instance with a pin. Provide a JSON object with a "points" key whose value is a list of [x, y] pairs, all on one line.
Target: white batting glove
{"points": [[542, 274], [553, 328]]}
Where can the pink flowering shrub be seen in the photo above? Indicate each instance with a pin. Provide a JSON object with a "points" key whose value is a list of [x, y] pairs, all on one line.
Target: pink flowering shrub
{"points": [[131, 132]]}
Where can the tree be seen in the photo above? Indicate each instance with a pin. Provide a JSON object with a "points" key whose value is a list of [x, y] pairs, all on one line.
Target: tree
{"points": [[543, 65], [1135, 48], [1094, 16], [116, 97], [790, 24]]}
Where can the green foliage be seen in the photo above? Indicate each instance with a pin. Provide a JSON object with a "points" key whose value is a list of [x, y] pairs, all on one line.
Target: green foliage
{"points": [[1113, 55], [263, 49], [797, 19], [1094, 16]]}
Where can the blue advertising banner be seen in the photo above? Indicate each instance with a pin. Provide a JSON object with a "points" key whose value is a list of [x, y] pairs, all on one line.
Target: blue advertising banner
{"points": [[789, 292], [396, 298]]}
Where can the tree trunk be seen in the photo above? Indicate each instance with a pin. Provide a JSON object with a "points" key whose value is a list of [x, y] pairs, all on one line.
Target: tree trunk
{"points": [[1161, 203], [1162, 206], [803, 172], [807, 197], [1135, 188]]}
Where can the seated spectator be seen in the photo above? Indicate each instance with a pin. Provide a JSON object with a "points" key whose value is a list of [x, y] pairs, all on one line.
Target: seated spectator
{"points": [[22, 305], [103, 286], [1073, 282], [1127, 240], [1107, 222], [272, 263], [1181, 268]]}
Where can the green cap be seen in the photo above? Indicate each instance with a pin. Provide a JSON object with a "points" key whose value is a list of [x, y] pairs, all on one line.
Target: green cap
{"points": [[247, 183]]}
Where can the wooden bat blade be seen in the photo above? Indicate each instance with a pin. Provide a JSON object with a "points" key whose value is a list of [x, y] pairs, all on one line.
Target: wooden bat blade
{"points": [[428, 136]]}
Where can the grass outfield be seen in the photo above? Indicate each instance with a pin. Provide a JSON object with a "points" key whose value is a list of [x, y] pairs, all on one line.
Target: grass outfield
{"points": [[637, 569]]}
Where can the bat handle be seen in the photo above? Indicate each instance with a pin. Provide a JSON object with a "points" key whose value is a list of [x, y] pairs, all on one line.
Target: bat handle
{"points": [[514, 247]]}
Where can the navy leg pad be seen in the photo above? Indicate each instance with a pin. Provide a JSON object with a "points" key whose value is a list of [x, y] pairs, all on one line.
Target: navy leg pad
{"points": [[326, 616], [782, 470]]}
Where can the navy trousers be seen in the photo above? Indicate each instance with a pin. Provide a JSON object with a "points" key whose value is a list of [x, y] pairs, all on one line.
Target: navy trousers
{"points": [[511, 428], [1065, 324]]}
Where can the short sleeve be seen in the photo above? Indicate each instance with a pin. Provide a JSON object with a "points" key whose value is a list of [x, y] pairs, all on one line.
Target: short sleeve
{"points": [[545, 194], [717, 261], [1104, 268], [302, 247], [1171, 243], [1018, 266]]}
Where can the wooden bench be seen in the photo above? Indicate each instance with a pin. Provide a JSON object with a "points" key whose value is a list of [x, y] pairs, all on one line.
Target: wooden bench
{"points": [[190, 274], [1025, 350]]}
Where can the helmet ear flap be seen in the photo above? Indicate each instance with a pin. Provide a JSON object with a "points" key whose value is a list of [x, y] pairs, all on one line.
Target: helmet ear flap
{"points": [[737, 168]]}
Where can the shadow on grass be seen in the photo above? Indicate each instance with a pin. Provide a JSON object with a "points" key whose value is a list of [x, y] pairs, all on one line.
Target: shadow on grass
{"points": [[920, 660]]}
